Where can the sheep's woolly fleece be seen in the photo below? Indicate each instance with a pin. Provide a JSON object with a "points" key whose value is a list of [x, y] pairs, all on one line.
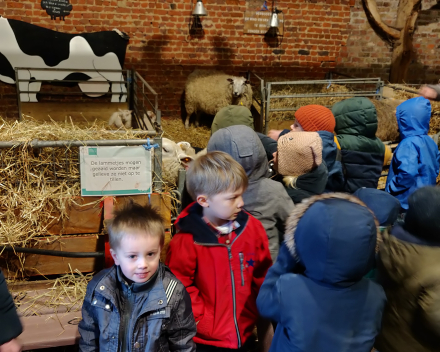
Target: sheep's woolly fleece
{"points": [[208, 91], [300, 209]]}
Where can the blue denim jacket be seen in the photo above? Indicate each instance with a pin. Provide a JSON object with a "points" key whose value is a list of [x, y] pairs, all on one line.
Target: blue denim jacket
{"points": [[162, 318]]}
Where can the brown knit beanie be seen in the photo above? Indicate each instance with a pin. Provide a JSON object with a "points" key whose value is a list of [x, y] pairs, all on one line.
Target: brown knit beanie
{"points": [[299, 153], [313, 118]]}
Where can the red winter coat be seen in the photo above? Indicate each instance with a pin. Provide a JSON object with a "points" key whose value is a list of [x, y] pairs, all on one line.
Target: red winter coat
{"points": [[222, 280]]}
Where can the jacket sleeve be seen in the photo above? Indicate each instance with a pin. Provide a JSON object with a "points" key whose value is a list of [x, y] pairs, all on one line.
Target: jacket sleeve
{"points": [[9, 321], [429, 302], [405, 168], [270, 145], [182, 261], [88, 328], [182, 327], [263, 260], [269, 301]]}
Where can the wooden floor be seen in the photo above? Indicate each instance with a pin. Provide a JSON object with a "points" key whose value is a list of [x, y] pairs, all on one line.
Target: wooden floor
{"points": [[81, 112]]}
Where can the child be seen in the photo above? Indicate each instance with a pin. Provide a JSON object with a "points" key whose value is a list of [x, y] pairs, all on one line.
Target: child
{"points": [[316, 291], [409, 271], [264, 198], [220, 253], [363, 154], [315, 118], [9, 321], [299, 161], [430, 91], [232, 115], [416, 159], [138, 304]]}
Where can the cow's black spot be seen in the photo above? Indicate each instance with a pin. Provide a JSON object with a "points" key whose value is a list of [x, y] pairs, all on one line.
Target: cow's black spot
{"points": [[6, 68], [53, 47]]}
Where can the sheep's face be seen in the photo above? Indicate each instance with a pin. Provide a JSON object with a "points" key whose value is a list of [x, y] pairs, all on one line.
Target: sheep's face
{"points": [[238, 85], [125, 116], [173, 151]]}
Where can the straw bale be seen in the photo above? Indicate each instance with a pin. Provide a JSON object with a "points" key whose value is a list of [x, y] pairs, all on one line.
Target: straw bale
{"points": [[387, 129], [28, 194]]}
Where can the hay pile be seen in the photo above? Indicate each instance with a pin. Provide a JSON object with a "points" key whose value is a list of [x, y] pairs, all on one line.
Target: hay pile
{"points": [[66, 295], [174, 129], [28, 198], [296, 103]]}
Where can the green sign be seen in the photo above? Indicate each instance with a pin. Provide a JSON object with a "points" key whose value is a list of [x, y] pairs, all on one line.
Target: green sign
{"points": [[112, 171]]}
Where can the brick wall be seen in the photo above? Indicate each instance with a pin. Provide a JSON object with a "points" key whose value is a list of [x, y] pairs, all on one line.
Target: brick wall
{"points": [[320, 35], [367, 55]]}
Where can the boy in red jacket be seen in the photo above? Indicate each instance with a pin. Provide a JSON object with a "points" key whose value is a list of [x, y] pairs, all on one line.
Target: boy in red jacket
{"points": [[220, 253]]}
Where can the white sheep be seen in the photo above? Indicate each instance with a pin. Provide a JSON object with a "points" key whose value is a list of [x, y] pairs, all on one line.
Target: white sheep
{"points": [[207, 91], [174, 156], [121, 118]]}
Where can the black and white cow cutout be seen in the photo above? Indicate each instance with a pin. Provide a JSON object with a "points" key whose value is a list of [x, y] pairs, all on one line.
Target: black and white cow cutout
{"points": [[25, 45]]}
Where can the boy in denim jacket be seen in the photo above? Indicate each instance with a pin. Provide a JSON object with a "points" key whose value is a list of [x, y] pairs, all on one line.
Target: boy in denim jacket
{"points": [[137, 304]]}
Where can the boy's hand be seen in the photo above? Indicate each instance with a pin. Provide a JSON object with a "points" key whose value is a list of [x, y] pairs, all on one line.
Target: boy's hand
{"points": [[428, 93], [274, 134], [11, 346]]}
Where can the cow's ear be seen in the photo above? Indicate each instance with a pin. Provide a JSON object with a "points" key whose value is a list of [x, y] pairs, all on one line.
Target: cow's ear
{"points": [[230, 80], [247, 82]]}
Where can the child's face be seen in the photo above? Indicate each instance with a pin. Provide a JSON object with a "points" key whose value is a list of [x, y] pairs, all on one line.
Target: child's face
{"points": [[222, 207], [138, 256], [296, 127]]}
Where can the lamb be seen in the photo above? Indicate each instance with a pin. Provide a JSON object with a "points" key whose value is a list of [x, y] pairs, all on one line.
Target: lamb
{"points": [[207, 91], [121, 118], [175, 156]]}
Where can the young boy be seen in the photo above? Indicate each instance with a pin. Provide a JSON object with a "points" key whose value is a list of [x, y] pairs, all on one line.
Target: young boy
{"points": [[138, 304], [409, 271], [416, 159], [220, 253], [316, 291]]}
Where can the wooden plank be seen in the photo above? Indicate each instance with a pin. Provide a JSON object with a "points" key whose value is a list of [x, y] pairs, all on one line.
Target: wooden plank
{"points": [[50, 330], [35, 264], [163, 254], [82, 113], [84, 216], [21, 286]]}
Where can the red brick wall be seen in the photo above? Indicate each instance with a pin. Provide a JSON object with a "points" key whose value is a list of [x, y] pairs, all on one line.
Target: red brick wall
{"points": [[367, 55], [319, 35]]}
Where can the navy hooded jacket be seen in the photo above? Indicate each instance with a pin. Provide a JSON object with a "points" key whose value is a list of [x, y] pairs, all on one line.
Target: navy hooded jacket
{"points": [[326, 305], [416, 159]]}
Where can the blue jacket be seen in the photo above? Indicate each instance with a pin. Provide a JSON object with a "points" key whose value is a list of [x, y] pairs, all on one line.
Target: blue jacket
{"points": [[161, 317], [416, 159], [316, 291]]}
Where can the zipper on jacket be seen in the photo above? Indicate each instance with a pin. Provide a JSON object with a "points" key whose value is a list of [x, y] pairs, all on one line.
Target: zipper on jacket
{"points": [[233, 297], [241, 268]]}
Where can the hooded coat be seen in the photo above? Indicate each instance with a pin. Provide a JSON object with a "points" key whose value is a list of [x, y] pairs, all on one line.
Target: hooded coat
{"points": [[9, 320], [416, 159], [232, 115], [409, 271], [316, 291], [362, 152], [264, 198]]}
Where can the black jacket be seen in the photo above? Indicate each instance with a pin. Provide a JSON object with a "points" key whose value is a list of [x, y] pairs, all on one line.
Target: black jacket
{"points": [[9, 321]]}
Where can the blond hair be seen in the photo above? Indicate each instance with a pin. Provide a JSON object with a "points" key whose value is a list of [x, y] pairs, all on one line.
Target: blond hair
{"points": [[213, 173], [135, 218]]}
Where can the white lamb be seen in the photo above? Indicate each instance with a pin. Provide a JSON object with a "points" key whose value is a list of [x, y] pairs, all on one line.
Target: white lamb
{"points": [[121, 118], [207, 91]]}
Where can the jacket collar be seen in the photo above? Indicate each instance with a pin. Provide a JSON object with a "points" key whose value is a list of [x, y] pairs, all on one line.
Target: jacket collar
{"points": [[136, 287], [156, 298], [192, 222], [401, 234]]}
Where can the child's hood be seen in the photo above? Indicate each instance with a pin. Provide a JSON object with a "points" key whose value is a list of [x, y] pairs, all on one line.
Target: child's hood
{"points": [[334, 237], [355, 116], [244, 145], [413, 117], [384, 206]]}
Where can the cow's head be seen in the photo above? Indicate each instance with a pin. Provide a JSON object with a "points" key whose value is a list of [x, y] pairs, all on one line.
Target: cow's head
{"points": [[238, 85]]}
